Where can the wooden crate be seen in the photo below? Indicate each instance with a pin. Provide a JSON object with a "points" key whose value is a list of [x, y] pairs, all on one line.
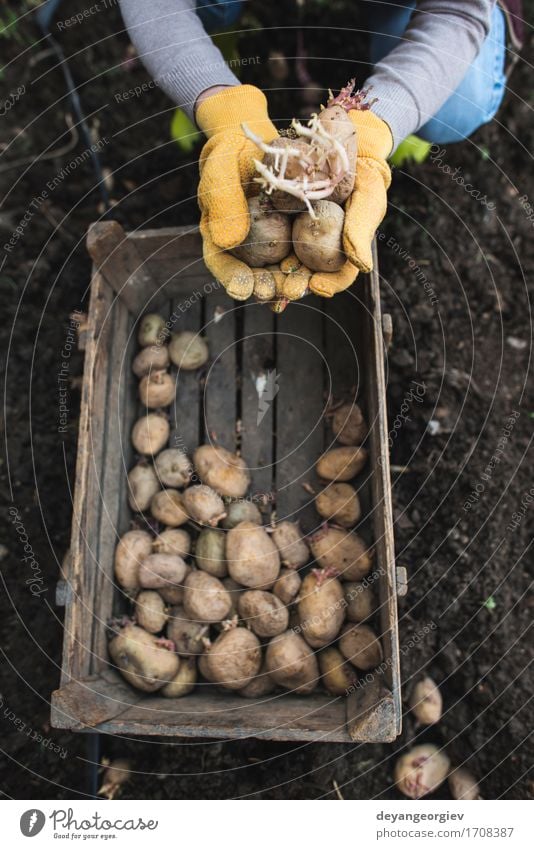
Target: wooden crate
{"points": [[317, 349]]}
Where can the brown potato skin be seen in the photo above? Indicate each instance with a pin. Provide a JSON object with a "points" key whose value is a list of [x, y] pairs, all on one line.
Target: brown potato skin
{"points": [[291, 544], [321, 609], [261, 685], [150, 433], [341, 464], [131, 550], [279, 199], [360, 600], [291, 663], [172, 541], [183, 682], [343, 551], [173, 468], [225, 472], [204, 505], [317, 242], [361, 647], [339, 502], [167, 506], [158, 571], [349, 425], [337, 676], [157, 389], [337, 122], [234, 659], [210, 552], [144, 664], [269, 237], [263, 612], [142, 487], [188, 351], [252, 556], [150, 359], [150, 611], [186, 633], [287, 586], [241, 511], [205, 598], [152, 330]]}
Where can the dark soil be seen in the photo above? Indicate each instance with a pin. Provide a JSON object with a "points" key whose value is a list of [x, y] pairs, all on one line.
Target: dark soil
{"points": [[462, 530]]}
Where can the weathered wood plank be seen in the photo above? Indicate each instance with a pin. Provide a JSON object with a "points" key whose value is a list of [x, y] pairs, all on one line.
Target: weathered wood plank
{"points": [[371, 713], [343, 353], [258, 390], [382, 512], [220, 389], [83, 561], [319, 718], [300, 408], [94, 699]]}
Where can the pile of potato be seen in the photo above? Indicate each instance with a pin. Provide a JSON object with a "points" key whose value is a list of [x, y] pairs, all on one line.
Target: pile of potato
{"points": [[216, 595]]}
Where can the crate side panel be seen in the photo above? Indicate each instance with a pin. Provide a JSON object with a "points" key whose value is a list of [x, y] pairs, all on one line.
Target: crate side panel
{"points": [[220, 396]]}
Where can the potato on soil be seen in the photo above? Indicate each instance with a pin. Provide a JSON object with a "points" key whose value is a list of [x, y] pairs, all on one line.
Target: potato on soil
{"points": [[205, 598], [348, 425], [337, 676], [158, 571], [261, 685], [184, 681], [187, 634], [291, 663], [167, 506], [151, 359], [210, 552], [339, 502], [287, 585], [152, 330], [269, 238], [188, 350], [225, 472], [321, 608], [150, 611], [252, 556], [204, 505], [141, 661], [291, 544], [150, 433], [131, 550], [426, 702], [172, 541], [241, 511], [157, 389], [318, 241], [263, 612], [360, 601], [234, 659], [341, 464], [463, 785], [343, 551], [173, 468], [143, 484], [360, 646], [421, 770]]}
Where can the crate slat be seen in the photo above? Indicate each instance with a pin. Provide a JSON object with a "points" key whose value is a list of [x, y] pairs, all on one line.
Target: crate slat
{"points": [[186, 411], [300, 407], [220, 388]]}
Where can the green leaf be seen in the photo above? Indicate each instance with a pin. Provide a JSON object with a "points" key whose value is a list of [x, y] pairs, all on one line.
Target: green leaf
{"points": [[490, 604]]}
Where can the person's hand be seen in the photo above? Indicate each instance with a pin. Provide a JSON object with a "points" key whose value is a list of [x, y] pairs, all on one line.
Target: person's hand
{"points": [[365, 207], [226, 176]]}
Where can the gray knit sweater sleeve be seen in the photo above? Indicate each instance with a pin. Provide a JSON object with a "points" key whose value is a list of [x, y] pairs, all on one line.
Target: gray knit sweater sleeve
{"points": [[411, 83]]}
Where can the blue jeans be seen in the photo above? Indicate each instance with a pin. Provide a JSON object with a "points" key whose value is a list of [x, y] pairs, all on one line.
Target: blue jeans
{"points": [[481, 91], [474, 102]]}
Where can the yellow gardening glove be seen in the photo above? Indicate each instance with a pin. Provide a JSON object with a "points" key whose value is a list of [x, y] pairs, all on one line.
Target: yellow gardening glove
{"points": [[226, 178], [366, 206]]}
